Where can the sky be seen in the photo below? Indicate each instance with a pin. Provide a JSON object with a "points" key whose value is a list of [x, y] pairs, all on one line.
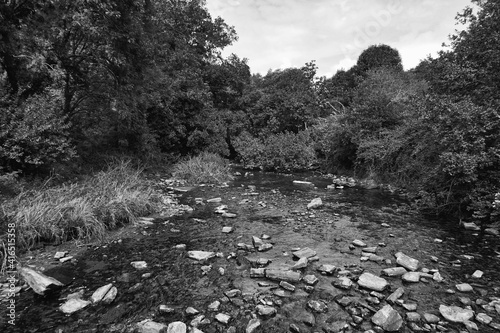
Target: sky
{"points": [[274, 34]]}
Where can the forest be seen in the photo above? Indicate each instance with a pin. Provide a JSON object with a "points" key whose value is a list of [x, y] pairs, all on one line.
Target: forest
{"points": [[84, 81]]}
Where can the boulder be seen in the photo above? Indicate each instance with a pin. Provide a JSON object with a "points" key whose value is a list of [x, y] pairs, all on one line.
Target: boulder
{"points": [[455, 314], [388, 318], [373, 282], [406, 261]]}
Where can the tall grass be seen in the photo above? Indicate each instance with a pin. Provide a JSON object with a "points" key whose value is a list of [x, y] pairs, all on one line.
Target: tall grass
{"points": [[83, 210], [204, 168]]}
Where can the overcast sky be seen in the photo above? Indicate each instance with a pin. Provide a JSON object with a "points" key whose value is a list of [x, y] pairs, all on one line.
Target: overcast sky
{"points": [[288, 33]]}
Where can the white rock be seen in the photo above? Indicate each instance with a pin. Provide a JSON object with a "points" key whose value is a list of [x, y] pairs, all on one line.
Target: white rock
{"points": [[359, 243], [39, 282], [406, 261], [477, 274], [455, 314], [253, 324], [223, 318], [60, 254], [388, 318], [227, 230], [99, 294], [302, 263], [176, 327], [301, 182], [110, 295], [394, 271], [73, 305], [464, 287], [214, 200], [483, 318], [373, 282], [411, 277], [304, 253], [200, 255], [149, 326], [315, 203], [139, 264]]}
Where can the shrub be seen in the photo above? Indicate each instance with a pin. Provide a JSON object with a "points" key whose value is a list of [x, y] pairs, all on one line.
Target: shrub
{"points": [[80, 210], [204, 168], [283, 151]]}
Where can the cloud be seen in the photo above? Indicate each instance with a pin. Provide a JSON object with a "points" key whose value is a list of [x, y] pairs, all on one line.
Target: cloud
{"points": [[277, 33]]}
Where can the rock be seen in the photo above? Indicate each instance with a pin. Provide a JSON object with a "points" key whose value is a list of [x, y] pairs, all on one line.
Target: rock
{"points": [[256, 241], [257, 272], [406, 261], [60, 254], [139, 265], [413, 316], [200, 255], [464, 287], [302, 263], [74, 304], [302, 183], [227, 230], [388, 318], [65, 259], [166, 309], [265, 310], [304, 253], [343, 282], [492, 231], [431, 319], [470, 226], [223, 318], [281, 275], [410, 306], [477, 274], [471, 326], [483, 318], [411, 277], [39, 282], [437, 277], [371, 249], [176, 327], [287, 286], [392, 298], [233, 293], [394, 271], [110, 295], [99, 294], [265, 247], [191, 311], [252, 325], [455, 314], [373, 282], [214, 200], [327, 269], [315, 203], [317, 306], [229, 215], [149, 326], [310, 279], [358, 243], [214, 306], [294, 328]]}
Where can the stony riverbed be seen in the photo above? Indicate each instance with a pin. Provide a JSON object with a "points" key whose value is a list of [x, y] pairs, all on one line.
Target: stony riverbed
{"points": [[253, 257]]}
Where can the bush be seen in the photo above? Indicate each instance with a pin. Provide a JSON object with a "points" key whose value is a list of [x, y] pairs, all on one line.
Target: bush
{"points": [[204, 168], [284, 151], [80, 210]]}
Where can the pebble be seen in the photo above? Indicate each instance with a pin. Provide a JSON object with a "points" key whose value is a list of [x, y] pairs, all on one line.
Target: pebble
{"points": [[139, 265], [265, 310], [252, 325], [373, 282], [223, 318], [464, 287]]}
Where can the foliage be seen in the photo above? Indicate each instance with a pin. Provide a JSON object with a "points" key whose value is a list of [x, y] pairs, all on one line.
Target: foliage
{"points": [[203, 168], [284, 151], [80, 210], [376, 56]]}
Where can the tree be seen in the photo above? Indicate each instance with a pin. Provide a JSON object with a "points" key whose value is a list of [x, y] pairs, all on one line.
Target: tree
{"points": [[376, 56]]}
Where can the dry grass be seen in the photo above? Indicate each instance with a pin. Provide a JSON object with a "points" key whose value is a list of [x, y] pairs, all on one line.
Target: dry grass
{"points": [[82, 210], [204, 168]]}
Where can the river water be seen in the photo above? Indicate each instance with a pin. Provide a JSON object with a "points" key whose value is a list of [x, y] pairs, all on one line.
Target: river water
{"points": [[273, 206]]}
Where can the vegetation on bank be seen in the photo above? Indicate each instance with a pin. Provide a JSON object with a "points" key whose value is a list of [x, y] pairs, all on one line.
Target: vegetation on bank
{"points": [[148, 79], [204, 168], [80, 210]]}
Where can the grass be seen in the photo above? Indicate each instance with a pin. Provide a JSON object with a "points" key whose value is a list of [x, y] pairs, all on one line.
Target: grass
{"points": [[204, 168], [82, 210]]}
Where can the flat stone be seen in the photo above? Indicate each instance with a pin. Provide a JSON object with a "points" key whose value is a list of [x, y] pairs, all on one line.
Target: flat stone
{"points": [[477, 274], [229, 215], [281, 275], [388, 318], [371, 249], [315, 203], [411, 277], [302, 263], [74, 304], [214, 200], [99, 294], [410, 306], [223, 318], [470, 226], [310, 279], [139, 265], [39, 282], [200, 255], [287, 286], [176, 327], [110, 295], [191, 311], [304, 253], [406, 261], [483, 318], [431, 318], [149, 326], [214, 306], [197, 321], [233, 293], [455, 314], [413, 316], [358, 243], [265, 247], [327, 269], [265, 310], [343, 282], [257, 272], [394, 271], [227, 230], [392, 298], [256, 241], [60, 254], [464, 287], [302, 183], [373, 282], [252, 325], [317, 306]]}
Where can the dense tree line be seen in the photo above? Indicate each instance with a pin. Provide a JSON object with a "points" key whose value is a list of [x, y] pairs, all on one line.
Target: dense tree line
{"points": [[82, 79]]}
